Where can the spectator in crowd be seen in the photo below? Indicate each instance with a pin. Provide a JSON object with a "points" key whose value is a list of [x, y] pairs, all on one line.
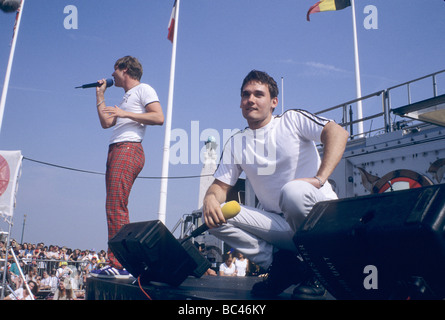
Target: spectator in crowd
{"points": [[228, 267], [22, 293], [50, 265], [53, 253], [25, 252], [92, 253], [54, 281], [14, 273], [63, 270], [32, 274], [46, 281], [93, 264], [63, 254], [101, 258], [74, 255], [2, 247], [241, 264], [64, 291]]}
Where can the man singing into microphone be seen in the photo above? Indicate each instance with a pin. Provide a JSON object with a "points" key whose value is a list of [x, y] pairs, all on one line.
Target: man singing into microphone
{"points": [[278, 154], [139, 108]]}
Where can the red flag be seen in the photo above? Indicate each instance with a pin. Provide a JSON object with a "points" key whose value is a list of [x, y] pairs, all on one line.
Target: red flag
{"points": [[171, 24]]}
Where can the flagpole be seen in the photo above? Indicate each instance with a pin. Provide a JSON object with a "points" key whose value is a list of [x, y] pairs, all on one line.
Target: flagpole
{"points": [[357, 72], [9, 67], [166, 156], [282, 95]]}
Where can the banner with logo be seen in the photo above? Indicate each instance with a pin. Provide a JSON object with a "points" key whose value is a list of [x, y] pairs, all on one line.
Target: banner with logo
{"points": [[10, 166]]}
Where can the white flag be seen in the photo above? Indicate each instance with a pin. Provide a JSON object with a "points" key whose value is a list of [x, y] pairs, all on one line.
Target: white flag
{"points": [[10, 165]]}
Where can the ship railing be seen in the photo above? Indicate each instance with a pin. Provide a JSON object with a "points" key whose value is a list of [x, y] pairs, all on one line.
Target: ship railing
{"points": [[377, 107]]}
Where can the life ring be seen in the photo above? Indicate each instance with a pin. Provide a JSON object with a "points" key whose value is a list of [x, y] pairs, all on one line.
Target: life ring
{"points": [[401, 180]]}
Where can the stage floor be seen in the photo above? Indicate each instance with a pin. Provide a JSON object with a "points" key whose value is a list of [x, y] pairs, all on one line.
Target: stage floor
{"points": [[204, 288]]}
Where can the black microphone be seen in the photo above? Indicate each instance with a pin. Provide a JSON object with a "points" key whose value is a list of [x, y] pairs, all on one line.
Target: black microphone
{"points": [[110, 82], [229, 210]]}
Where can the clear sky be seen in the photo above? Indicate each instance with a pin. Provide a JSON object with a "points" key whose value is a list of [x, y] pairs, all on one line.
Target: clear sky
{"points": [[219, 42]]}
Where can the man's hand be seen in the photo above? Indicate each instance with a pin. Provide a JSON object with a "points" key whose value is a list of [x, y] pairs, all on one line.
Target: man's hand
{"points": [[212, 213], [114, 112], [211, 210], [102, 88]]}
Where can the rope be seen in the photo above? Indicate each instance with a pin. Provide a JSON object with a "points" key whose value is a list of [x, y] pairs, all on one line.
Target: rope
{"points": [[101, 173]]}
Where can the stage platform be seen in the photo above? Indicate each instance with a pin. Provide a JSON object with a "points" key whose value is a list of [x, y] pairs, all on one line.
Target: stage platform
{"points": [[204, 288]]}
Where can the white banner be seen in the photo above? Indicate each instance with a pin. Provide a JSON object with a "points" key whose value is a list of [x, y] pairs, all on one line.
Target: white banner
{"points": [[10, 165]]}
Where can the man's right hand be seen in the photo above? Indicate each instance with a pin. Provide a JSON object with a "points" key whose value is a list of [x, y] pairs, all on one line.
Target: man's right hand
{"points": [[211, 210], [212, 213], [103, 86]]}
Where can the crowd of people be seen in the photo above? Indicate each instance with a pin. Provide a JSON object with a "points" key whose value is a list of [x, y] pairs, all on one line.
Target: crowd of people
{"points": [[59, 273], [232, 263], [51, 272]]}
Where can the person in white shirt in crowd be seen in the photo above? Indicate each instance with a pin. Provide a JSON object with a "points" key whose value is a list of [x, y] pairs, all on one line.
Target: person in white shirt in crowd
{"points": [[53, 253], [241, 264], [63, 270], [227, 269], [46, 281], [22, 293]]}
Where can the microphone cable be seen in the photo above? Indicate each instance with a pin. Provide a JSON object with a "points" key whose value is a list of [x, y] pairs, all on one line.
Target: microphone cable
{"points": [[142, 289]]}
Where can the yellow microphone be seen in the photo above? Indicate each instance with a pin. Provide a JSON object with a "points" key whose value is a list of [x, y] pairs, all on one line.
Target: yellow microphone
{"points": [[229, 210]]}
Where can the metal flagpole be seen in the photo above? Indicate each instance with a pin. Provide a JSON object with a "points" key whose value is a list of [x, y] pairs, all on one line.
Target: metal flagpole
{"points": [[282, 95], [357, 72], [11, 58], [166, 156]]}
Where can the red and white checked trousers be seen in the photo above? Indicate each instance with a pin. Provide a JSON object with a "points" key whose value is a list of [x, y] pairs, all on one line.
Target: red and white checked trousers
{"points": [[125, 161]]}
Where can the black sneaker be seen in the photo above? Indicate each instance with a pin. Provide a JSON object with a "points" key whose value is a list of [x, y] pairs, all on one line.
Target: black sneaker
{"points": [[287, 269], [311, 289]]}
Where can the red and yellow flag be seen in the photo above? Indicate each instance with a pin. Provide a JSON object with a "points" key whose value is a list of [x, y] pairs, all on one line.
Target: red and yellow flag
{"points": [[328, 5]]}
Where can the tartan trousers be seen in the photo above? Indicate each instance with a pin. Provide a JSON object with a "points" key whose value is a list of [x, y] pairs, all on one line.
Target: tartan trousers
{"points": [[125, 161]]}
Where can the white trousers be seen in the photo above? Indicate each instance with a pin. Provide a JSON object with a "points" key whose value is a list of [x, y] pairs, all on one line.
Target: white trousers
{"points": [[256, 232]]}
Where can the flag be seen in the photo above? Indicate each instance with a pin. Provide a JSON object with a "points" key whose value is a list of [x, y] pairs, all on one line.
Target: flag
{"points": [[171, 24], [15, 23], [328, 5], [10, 165]]}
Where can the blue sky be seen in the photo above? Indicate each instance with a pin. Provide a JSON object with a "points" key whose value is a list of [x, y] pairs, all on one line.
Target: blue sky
{"points": [[219, 42]]}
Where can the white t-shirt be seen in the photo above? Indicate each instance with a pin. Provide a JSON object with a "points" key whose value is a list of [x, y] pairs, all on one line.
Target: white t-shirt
{"points": [[45, 282], [273, 155], [241, 267], [134, 101], [19, 295], [226, 269]]}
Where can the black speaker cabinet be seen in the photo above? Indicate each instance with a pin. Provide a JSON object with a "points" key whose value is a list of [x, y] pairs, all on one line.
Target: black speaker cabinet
{"points": [[384, 246], [149, 250]]}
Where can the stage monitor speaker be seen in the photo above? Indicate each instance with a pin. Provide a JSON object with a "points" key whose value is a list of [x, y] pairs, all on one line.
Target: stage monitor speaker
{"points": [[383, 246], [149, 250]]}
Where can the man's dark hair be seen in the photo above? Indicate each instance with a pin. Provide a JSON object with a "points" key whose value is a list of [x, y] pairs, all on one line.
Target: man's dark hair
{"points": [[133, 66], [264, 78]]}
